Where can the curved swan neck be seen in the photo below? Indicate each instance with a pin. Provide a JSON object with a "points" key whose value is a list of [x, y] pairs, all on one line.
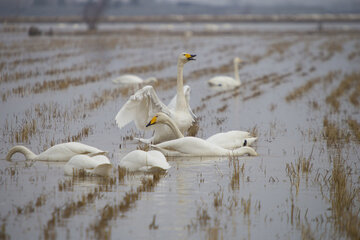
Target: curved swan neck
{"points": [[180, 100], [173, 127], [236, 71], [29, 155]]}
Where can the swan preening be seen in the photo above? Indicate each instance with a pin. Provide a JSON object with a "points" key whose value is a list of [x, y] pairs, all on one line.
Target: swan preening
{"points": [[129, 79], [232, 139], [97, 165], [142, 106], [192, 146], [139, 160], [60, 152], [225, 81]]}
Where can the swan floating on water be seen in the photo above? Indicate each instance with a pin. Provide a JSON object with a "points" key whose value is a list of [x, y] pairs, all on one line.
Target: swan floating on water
{"points": [[232, 139], [192, 146], [139, 160], [225, 81], [129, 79], [97, 165], [142, 106], [60, 152]]}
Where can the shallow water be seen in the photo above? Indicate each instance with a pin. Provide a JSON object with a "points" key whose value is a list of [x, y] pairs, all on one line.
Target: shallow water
{"points": [[198, 198]]}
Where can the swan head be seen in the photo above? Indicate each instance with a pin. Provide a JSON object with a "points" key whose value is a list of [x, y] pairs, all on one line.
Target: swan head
{"points": [[237, 60], [151, 79], [158, 118], [186, 57]]}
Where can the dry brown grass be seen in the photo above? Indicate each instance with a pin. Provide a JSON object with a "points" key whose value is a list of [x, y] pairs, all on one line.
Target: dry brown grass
{"points": [[343, 196], [355, 128], [333, 134], [101, 227], [329, 48], [345, 85], [299, 92]]}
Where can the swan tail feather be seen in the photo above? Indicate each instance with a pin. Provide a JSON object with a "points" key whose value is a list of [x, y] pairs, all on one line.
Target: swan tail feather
{"points": [[144, 140], [102, 169], [96, 154], [29, 155]]}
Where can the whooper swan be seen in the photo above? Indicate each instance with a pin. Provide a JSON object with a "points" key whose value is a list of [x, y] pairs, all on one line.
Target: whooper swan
{"points": [[142, 106], [60, 152], [192, 146], [232, 139], [139, 160], [129, 79], [97, 165], [225, 81]]}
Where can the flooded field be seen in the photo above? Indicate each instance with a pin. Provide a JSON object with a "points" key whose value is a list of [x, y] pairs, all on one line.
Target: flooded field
{"points": [[299, 96]]}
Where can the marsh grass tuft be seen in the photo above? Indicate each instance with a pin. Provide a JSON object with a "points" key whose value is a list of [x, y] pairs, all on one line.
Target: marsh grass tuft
{"points": [[333, 135], [355, 128], [343, 198], [347, 83]]}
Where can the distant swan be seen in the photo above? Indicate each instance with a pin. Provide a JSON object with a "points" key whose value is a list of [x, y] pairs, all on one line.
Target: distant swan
{"points": [[192, 146], [133, 79], [139, 160], [60, 152], [232, 139], [145, 103], [96, 165], [225, 81]]}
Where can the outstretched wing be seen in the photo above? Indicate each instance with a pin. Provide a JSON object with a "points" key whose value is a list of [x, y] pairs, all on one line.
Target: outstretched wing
{"points": [[172, 103], [140, 108]]}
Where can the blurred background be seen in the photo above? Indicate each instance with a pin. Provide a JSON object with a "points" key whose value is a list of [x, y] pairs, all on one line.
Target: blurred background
{"points": [[166, 7]]}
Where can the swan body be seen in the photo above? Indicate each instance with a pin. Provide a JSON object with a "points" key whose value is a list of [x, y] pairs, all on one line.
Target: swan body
{"points": [[171, 106], [96, 165], [145, 103], [139, 160], [192, 146], [132, 79], [232, 139], [60, 152], [225, 81]]}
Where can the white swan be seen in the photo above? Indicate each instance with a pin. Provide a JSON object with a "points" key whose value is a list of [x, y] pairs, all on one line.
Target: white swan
{"points": [[192, 146], [225, 81], [60, 152], [145, 103], [96, 165], [232, 139], [133, 79], [171, 106], [139, 160]]}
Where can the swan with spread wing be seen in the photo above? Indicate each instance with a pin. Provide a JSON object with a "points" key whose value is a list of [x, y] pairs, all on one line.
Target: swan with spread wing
{"points": [[142, 106]]}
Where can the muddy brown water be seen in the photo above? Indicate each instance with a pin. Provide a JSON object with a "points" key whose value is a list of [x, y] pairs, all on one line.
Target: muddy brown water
{"points": [[56, 89]]}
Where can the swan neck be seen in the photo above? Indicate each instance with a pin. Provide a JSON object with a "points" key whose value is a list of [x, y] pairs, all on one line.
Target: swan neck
{"points": [[174, 128], [236, 71], [29, 155], [180, 100]]}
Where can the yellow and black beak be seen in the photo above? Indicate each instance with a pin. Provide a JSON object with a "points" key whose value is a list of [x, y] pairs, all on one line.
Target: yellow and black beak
{"points": [[190, 56], [152, 121]]}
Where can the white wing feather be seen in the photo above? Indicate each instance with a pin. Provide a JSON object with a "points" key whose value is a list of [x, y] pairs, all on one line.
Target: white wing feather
{"points": [[140, 108]]}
